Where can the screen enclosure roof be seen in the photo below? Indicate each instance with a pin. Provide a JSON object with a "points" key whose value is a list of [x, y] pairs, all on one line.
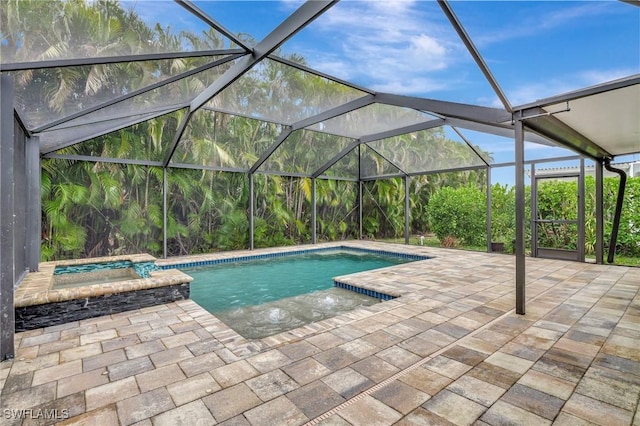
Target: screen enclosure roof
{"points": [[206, 74]]}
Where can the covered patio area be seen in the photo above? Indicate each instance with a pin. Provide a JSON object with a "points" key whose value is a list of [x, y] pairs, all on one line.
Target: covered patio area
{"points": [[449, 350]]}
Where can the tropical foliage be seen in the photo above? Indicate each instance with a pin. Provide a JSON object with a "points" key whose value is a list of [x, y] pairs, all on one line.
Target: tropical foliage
{"points": [[99, 207], [459, 213]]}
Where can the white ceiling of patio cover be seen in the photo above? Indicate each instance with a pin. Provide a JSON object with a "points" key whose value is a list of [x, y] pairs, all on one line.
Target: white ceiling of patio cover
{"points": [[610, 119]]}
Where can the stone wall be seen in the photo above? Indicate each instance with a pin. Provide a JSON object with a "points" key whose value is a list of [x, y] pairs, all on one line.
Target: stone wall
{"points": [[49, 314]]}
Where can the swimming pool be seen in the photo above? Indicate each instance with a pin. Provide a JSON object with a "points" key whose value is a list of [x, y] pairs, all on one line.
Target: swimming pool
{"points": [[264, 296]]}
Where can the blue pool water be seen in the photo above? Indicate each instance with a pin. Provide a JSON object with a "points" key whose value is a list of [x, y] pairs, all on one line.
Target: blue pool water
{"points": [[227, 286], [259, 298]]}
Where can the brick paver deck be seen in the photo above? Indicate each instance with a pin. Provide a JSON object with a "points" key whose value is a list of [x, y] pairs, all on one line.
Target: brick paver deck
{"points": [[450, 350]]}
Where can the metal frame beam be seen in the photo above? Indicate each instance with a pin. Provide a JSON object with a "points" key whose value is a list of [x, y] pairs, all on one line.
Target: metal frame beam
{"points": [[503, 130], [534, 211], [403, 172], [309, 121], [34, 201], [520, 218], [21, 121], [305, 14], [379, 177], [166, 109], [300, 18], [457, 25], [450, 170], [77, 62], [48, 148], [335, 112], [341, 178], [319, 73], [176, 138], [599, 172], [314, 212], [240, 114], [403, 130], [581, 211], [335, 158], [426, 173], [205, 167], [407, 210], [286, 132], [541, 160], [252, 208], [7, 220], [360, 209], [165, 214], [104, 160], [195, 10], [134, 93], [475, 151], [480, 114], [489, 211], [285, 174]]}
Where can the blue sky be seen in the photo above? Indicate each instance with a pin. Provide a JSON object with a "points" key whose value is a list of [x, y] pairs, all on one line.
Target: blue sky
{"points": [[535, 49]]}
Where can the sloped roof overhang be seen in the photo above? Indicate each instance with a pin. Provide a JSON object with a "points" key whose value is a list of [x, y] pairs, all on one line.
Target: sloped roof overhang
{"points": [[599, 121]]}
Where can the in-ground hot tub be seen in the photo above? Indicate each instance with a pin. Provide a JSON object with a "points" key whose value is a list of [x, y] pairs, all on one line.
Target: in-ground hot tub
{"points": [[93, 278], [76, 274], [66, 291]]}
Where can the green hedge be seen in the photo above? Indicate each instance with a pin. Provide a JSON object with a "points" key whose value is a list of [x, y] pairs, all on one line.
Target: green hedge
{"points": [[460, 213]]}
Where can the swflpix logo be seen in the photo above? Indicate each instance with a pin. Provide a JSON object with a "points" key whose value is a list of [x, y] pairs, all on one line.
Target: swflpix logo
{"points": [[38, 413]]}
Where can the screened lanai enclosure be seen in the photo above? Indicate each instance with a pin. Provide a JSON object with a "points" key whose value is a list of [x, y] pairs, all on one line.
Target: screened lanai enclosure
{"points": [[176, 128]]}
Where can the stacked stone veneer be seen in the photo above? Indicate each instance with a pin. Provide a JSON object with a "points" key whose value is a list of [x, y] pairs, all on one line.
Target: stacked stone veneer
{"points": [[37, 304]]}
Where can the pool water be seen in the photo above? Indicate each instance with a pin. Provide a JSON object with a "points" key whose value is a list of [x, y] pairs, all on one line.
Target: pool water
{"points": [[104, 276], [221, 287], [267, 319], [259, 298]]}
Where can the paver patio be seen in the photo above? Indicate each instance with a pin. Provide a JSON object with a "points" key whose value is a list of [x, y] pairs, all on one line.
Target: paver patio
{"points": [[450, 350]]}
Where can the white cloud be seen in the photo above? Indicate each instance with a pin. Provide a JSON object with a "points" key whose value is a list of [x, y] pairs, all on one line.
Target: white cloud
{"points": [[396, 46], [411, 85], [409, 47], [528, 23]]}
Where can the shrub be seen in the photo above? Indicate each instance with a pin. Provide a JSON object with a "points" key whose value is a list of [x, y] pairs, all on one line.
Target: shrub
{"points": [[503, 215], [458, 213]]}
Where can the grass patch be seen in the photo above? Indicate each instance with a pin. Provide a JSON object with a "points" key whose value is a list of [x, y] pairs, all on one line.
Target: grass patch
{"points": [[432, 241]]}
